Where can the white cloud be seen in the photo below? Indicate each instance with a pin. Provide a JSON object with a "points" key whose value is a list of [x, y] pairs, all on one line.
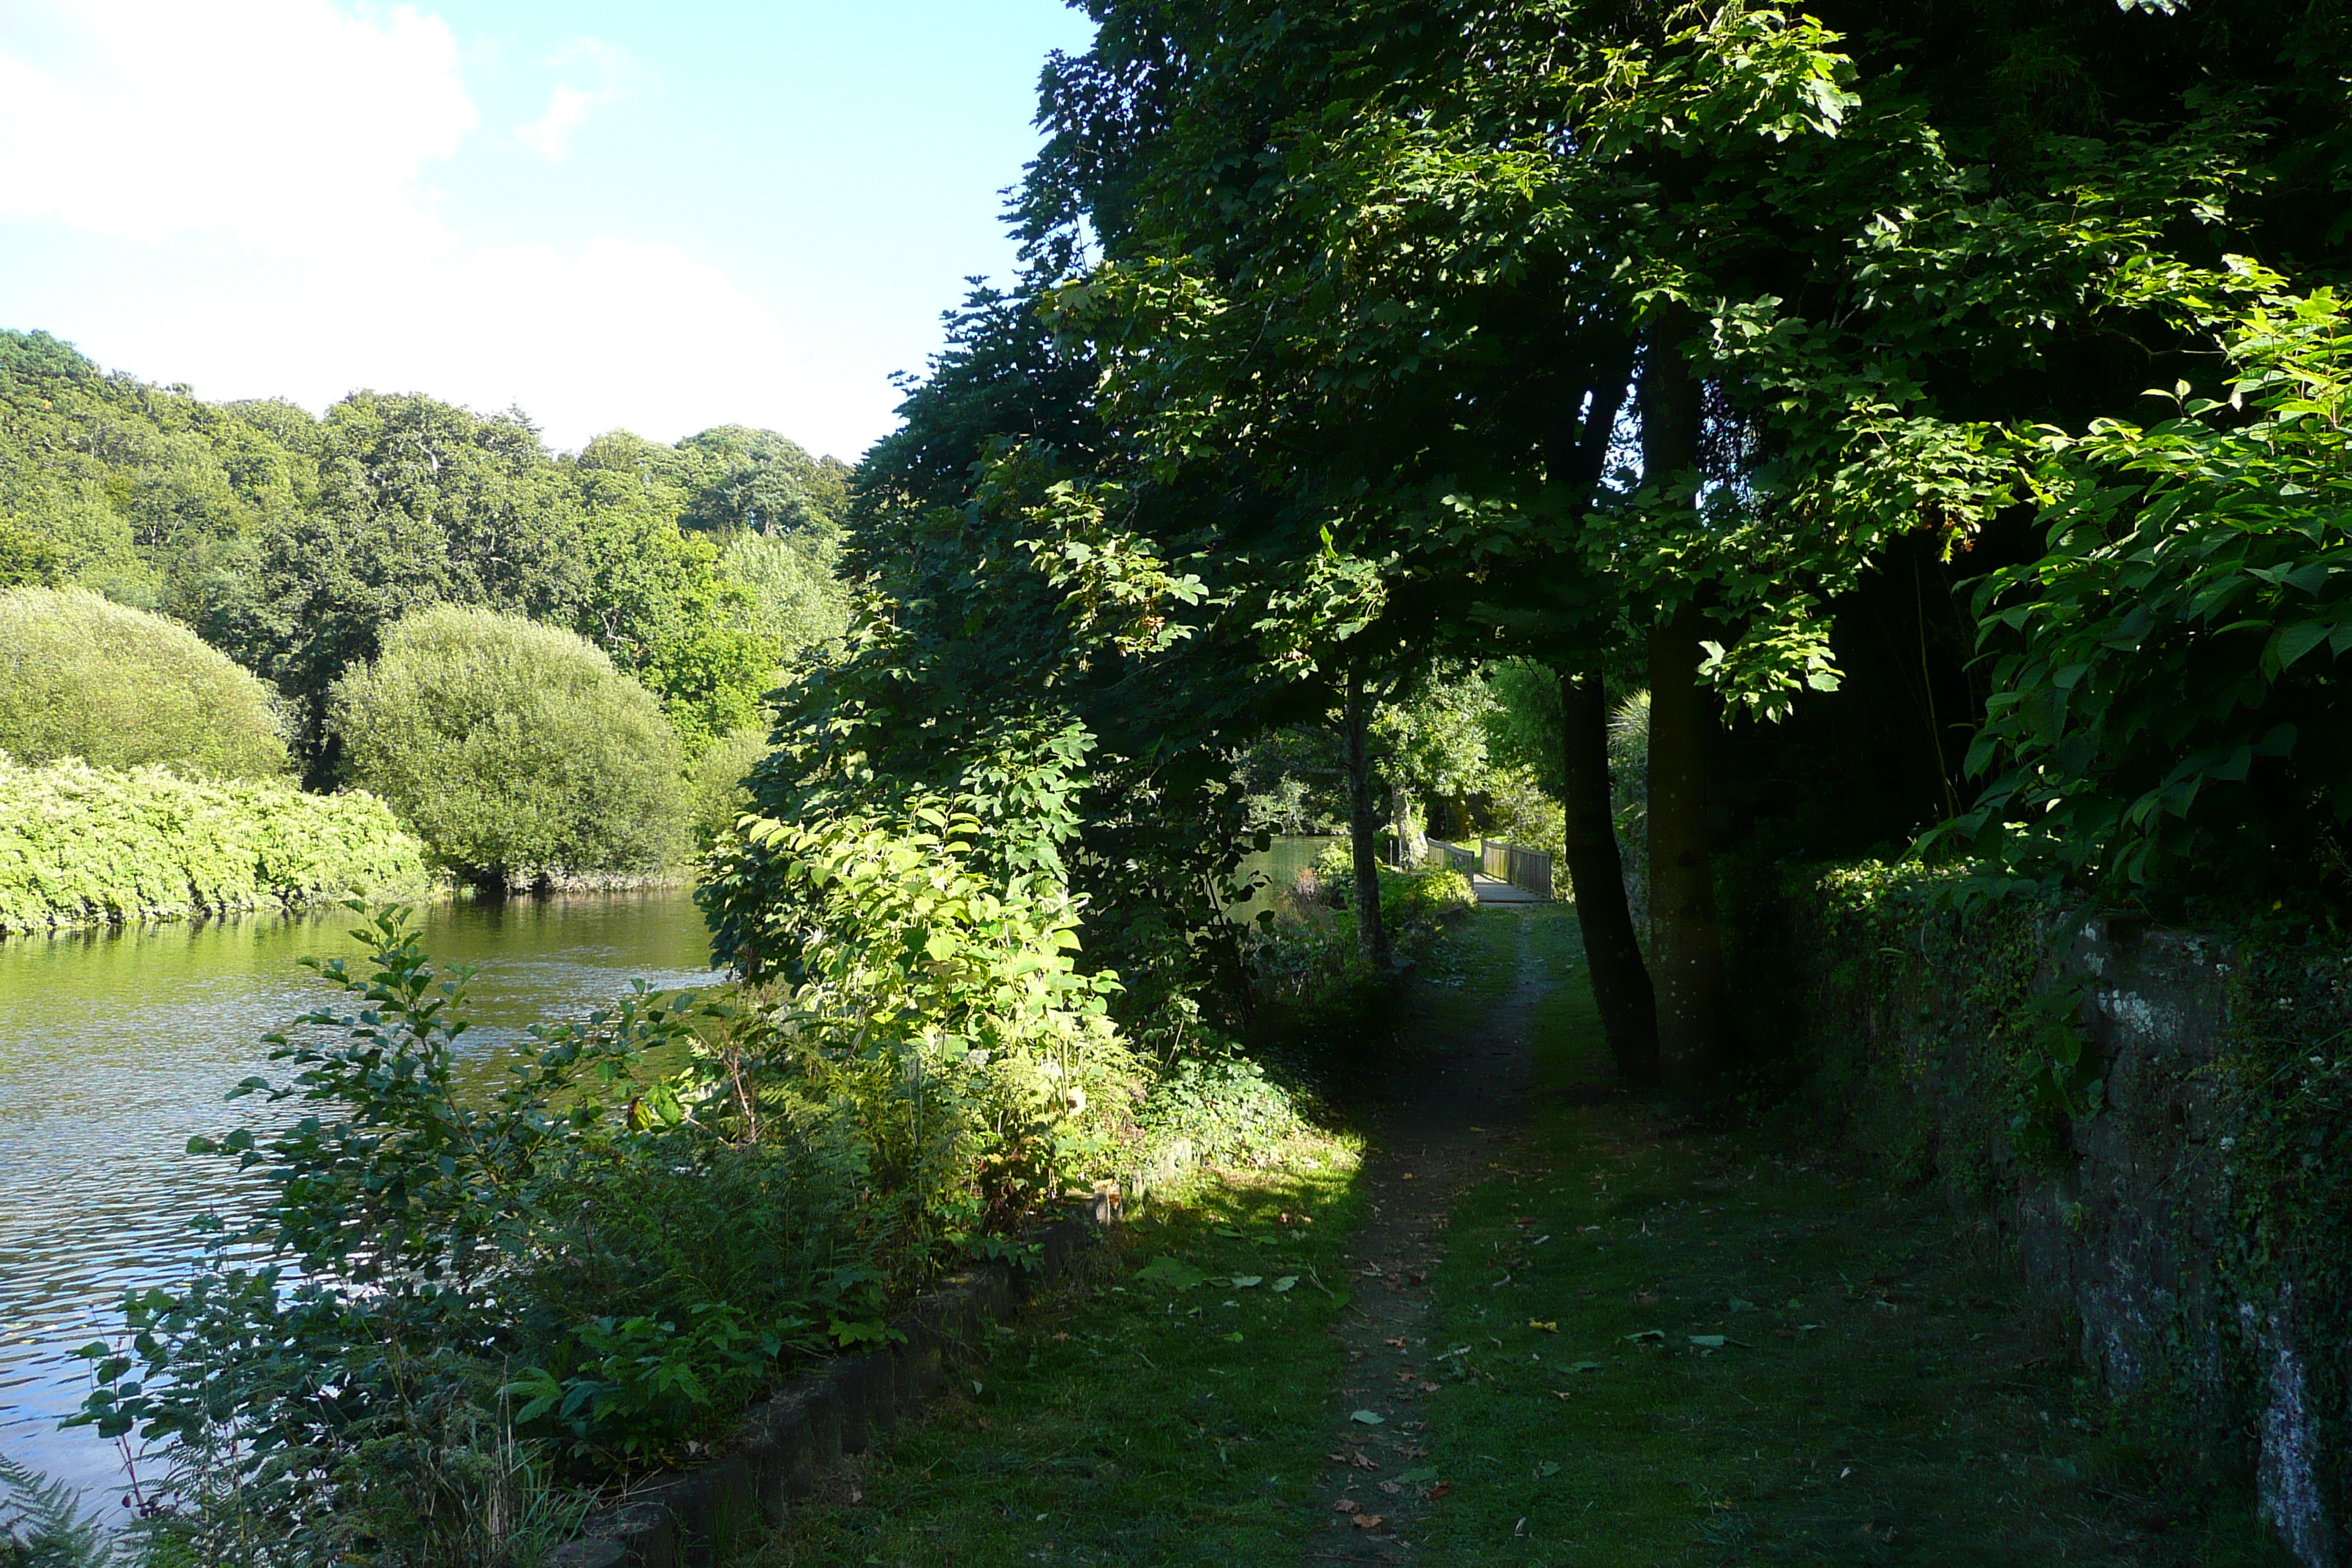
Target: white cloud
{"points": [[613, 333], [287, 125], [613, 76], [567, 110], [244, 183]]}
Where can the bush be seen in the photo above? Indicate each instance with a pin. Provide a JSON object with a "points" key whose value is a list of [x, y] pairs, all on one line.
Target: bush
{"points": [[516, 751], [601, 1264], [1216, 1106], [717, 794], [82, 846], [83, 677], [462, 1299]]}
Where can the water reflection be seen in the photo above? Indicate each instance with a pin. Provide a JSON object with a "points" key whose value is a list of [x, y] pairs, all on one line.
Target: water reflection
{"points": [[115, 1049]]}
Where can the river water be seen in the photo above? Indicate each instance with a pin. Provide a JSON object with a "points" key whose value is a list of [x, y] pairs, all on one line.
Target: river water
{"points": [[115, 1049]]}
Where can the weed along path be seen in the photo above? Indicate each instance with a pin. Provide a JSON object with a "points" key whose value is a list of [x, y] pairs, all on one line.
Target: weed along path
{"points": [[1528, 1325]]}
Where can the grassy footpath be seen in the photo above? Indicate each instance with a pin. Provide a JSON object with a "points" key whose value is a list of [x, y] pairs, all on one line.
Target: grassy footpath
{"points": [[1653, 1345], [1153, 1415], [1660, 1346]]}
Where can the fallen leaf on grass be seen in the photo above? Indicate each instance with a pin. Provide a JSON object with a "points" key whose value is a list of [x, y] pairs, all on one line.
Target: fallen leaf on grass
{"points": [[1433, 1493], [1172, 1272], [1286, 1282], [1346, 1505], [1245, 1281], [1562, 1394], [1234, 1337], [1368, 1417], [1429, 1388], [1659, 1334], [1546, 1328], [1708, 1342], [1398, 1343], [1391, 1489], [1369, 1521], [1548, 1468], [1584, 1366]]}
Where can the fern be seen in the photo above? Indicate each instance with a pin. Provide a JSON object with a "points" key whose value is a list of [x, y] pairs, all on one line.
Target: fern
{"points": [[42, 1524]]}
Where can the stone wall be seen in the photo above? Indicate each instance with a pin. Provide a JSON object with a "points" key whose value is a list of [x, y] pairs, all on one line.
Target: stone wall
{"points": [[2127, 1227]]}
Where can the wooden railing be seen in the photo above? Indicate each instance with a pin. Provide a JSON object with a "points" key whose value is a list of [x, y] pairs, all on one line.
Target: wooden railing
{"points": [[1515, 864]]}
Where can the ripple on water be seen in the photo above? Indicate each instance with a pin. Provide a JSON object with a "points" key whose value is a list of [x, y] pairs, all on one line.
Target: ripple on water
{"points": [[115, 1050]]}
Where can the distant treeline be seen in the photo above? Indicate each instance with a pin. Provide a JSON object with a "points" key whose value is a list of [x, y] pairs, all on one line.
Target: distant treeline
{"points": [[292, 543]]}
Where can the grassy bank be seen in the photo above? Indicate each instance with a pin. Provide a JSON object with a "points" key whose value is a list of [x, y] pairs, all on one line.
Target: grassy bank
{"points": [[1152, 1415], [82, 846]]}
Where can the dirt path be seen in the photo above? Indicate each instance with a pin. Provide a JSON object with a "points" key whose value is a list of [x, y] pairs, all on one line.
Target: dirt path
{"points": [[1432, 1142]]}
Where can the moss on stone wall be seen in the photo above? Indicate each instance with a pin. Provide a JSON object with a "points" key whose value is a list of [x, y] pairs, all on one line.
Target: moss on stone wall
{"points": [[2159, 1121]]}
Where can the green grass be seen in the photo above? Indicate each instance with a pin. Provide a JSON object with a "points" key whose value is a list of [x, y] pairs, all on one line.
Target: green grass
{"points": [[1127, 1420], [1884, 1392], [1663, 1346]]}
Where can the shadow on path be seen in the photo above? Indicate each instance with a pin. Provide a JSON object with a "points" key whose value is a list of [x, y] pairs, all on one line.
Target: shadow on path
{"points": [[1458, 1092]]}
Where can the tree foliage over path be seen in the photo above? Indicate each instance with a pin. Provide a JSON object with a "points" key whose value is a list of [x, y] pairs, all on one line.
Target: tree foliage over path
{"points": [[1666, 345]]}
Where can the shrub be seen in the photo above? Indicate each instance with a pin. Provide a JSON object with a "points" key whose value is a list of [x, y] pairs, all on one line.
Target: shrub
{"points": [[516, 751], [1217, 1106], [717, 793], [82, 846], [461, 1297], [939, 999], [83, 677], [602, 1263]]}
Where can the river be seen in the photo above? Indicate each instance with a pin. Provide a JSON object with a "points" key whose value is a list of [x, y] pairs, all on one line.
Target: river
{"points": [[116, 1048]]}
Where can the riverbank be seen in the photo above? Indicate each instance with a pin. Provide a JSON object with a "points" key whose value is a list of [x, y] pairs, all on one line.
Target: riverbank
{"points": [[1631, 1341], [115, 1045], [83, 847]]}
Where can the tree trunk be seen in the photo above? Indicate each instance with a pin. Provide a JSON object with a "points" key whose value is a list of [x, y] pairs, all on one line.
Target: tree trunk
{"points": [[1685, 947], [1364, 825], [1620, 983]]}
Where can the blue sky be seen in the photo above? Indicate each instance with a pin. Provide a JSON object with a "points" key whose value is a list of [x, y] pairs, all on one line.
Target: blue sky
{"points": [[661, 218]]}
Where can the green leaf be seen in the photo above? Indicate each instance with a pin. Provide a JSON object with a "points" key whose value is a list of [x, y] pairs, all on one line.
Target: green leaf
{"points": [[1369, 1418], [1172, 1272], [1287, 1282], [2300, 640]]}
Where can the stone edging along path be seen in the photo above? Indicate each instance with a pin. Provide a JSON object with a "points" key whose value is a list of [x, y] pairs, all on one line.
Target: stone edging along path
{"points": [[705, 1515]]}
